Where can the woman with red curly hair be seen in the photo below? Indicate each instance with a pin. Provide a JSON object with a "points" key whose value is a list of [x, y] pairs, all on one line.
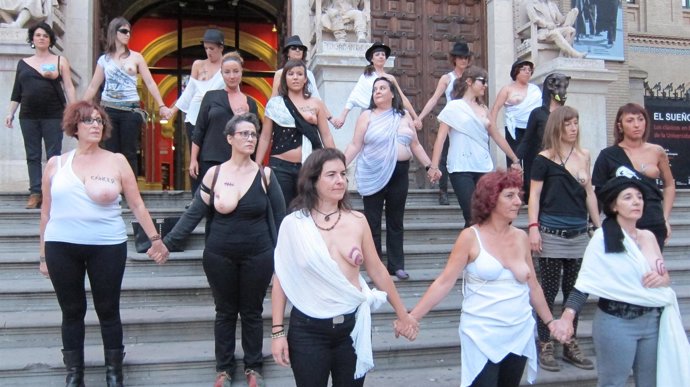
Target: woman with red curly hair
{"points": [[500, 288]]}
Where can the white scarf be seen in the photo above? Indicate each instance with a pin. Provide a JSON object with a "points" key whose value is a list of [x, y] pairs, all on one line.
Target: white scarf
{"points": [[516, 116], [618, 276], [315, 285]]}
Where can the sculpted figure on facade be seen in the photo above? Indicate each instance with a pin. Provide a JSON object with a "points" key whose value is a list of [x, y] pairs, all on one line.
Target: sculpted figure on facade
{"points": [[341, 16], [18, 13], [553, 26]]}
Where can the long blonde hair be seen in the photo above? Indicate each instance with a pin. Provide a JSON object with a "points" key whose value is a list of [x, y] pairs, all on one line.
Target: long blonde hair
{"points": [[555, 127]]}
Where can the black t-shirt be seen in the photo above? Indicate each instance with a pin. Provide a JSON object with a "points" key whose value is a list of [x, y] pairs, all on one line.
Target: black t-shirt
{"points": [[561, 194], [40, 97], [214, 113], [612, 162]]}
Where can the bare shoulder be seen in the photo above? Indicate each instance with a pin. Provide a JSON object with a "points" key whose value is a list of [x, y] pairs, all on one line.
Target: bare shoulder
{"points": [[519, 235], [646, 235]]}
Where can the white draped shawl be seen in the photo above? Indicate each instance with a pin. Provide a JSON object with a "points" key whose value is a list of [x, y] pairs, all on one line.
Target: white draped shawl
{"points": [[315, 285], [376, 162], [618, 276], [516, 116], [469, 140]]}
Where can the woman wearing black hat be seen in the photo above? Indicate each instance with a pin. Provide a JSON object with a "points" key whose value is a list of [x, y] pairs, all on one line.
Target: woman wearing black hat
{"points": [[360, 96], [632, 155], [518, 98], [205, 76], [637, 324], [561, 199], [460, 57], [295, 50]]}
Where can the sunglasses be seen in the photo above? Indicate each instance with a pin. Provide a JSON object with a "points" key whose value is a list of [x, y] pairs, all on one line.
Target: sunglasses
{"points": [[295, 48], [484, 81], [124, 31]]}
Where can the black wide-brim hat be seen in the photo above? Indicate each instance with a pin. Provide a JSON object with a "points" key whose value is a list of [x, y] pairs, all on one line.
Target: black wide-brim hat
{"points": [[518, 65], [213, 35], [610, 191], [294, 41], [461, 49], [378, 46]]}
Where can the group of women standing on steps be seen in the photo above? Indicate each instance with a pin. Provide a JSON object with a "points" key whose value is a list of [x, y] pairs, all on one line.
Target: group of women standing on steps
{"points": [[240, 197]]}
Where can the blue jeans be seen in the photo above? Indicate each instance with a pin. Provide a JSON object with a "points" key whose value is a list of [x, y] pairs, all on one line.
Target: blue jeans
{"points": [[286, 172], [125, 135], [319, 348], [622, 345], [394, 194], [34, 131], [463, 185]]}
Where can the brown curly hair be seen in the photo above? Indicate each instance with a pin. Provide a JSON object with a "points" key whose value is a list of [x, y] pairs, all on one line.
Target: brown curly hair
{"points": [[76, 112]]}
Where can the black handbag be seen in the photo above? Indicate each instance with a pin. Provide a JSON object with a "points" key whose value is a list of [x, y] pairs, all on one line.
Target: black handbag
{"points": [[163, 225]]}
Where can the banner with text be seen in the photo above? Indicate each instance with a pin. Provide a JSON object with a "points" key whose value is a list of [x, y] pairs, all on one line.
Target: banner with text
{"points": [[670, 128]]}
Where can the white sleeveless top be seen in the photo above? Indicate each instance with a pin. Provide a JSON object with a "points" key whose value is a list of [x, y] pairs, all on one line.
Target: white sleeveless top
{"points": [[449, 88], [75, 218]]}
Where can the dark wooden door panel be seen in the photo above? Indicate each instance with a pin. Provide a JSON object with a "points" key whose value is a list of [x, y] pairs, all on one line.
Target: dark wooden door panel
{"points": [[420, 34]]}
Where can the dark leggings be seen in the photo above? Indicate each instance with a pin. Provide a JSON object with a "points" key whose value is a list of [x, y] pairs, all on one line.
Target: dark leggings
{"points": [[105, 264], [555, 273], [463, 185], [125, 135], [239, 284], [286, 173], [506, 373], [443, 166]]}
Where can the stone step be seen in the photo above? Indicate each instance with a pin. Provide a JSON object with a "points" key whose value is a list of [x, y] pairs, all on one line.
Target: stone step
{"points": [[193, 362]]}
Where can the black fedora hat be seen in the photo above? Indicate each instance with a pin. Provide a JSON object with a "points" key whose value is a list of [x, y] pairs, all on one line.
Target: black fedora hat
{"points": [[461, 49], [518, 65], [294, 41], [213, 35], [378, 46]]}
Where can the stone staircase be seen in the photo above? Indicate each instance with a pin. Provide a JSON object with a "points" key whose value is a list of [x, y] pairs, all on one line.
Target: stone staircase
{"points": [[167, 310]]}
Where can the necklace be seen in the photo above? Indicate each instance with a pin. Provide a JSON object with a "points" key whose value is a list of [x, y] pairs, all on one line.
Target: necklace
{"points": [[326, 217], [329, 228], [567, 158]]}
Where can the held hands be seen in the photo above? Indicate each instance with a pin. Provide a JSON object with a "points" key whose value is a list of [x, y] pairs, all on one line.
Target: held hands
{"points": [[417, 124], [434, 174], [279, 348], [165, 112], [158, 252], [407, 327], [337, 122], [561, 330], [516, 167]]}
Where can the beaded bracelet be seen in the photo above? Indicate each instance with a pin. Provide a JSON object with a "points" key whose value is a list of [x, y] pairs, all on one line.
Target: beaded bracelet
{"points": [[280, 333]]}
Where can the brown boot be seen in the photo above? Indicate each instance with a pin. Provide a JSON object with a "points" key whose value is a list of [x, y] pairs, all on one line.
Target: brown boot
{"points": [[573, 355], [547, 360], [35, 200]]}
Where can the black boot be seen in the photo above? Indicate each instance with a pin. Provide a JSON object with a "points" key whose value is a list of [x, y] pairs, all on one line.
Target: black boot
{"points": [[113, 367], [74, 363]]}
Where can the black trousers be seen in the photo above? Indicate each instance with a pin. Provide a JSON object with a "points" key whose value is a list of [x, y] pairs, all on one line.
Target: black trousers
{"points": [[319, 348], [238, 283], [506, 373], [125, 135], [394, 196], [286, 173], [463, 185], [34, 132], [105, 264]]}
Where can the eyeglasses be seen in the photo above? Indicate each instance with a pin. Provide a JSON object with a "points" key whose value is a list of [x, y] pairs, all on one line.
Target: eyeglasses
{"points": [[484, 81], [526, 69], [124, 31], [247, 134], [91, 121]]}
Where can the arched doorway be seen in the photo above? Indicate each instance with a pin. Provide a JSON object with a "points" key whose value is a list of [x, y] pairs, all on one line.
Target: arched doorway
{"points": [[167, 33]]}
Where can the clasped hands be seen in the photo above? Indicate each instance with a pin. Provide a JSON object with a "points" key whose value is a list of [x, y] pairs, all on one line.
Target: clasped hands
{"points": [[433, 174], [158, 252], [407, 327], [561, 330]]}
